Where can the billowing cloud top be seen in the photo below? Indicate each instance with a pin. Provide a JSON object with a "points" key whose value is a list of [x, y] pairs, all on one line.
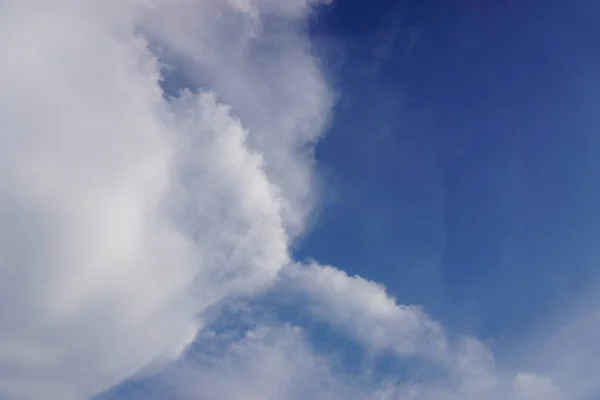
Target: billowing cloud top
{"points": [[126, 213]]}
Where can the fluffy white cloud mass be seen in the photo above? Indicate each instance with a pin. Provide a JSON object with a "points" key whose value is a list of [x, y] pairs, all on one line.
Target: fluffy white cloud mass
{"points": [[127, 213], [123, 214]]}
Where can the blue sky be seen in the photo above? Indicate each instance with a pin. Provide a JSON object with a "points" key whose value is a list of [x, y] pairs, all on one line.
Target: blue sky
{"points": [[461, 164], [291, 199]]}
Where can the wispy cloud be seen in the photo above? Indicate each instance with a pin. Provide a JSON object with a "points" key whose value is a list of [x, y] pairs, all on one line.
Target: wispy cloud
{"points": [[127, 215]]}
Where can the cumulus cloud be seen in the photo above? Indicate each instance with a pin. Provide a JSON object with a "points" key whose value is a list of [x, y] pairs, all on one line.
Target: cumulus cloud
{"points": [[265, 362], [466, 368], [127, 213], [267, 74], [263, 359], [124, 214], [364, 309]]}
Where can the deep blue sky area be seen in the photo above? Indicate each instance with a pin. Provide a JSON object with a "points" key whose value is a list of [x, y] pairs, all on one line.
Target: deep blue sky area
{"points": [[460, 166]]}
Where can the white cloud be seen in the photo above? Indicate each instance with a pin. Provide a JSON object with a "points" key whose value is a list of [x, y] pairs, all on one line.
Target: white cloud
{"points": [[266, 362], [125, 215], [270, 361], [266, 73], [364, 309]]}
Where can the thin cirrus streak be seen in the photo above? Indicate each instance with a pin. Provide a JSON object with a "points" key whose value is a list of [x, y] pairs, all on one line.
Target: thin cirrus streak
{"points": [[126, 213]]}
